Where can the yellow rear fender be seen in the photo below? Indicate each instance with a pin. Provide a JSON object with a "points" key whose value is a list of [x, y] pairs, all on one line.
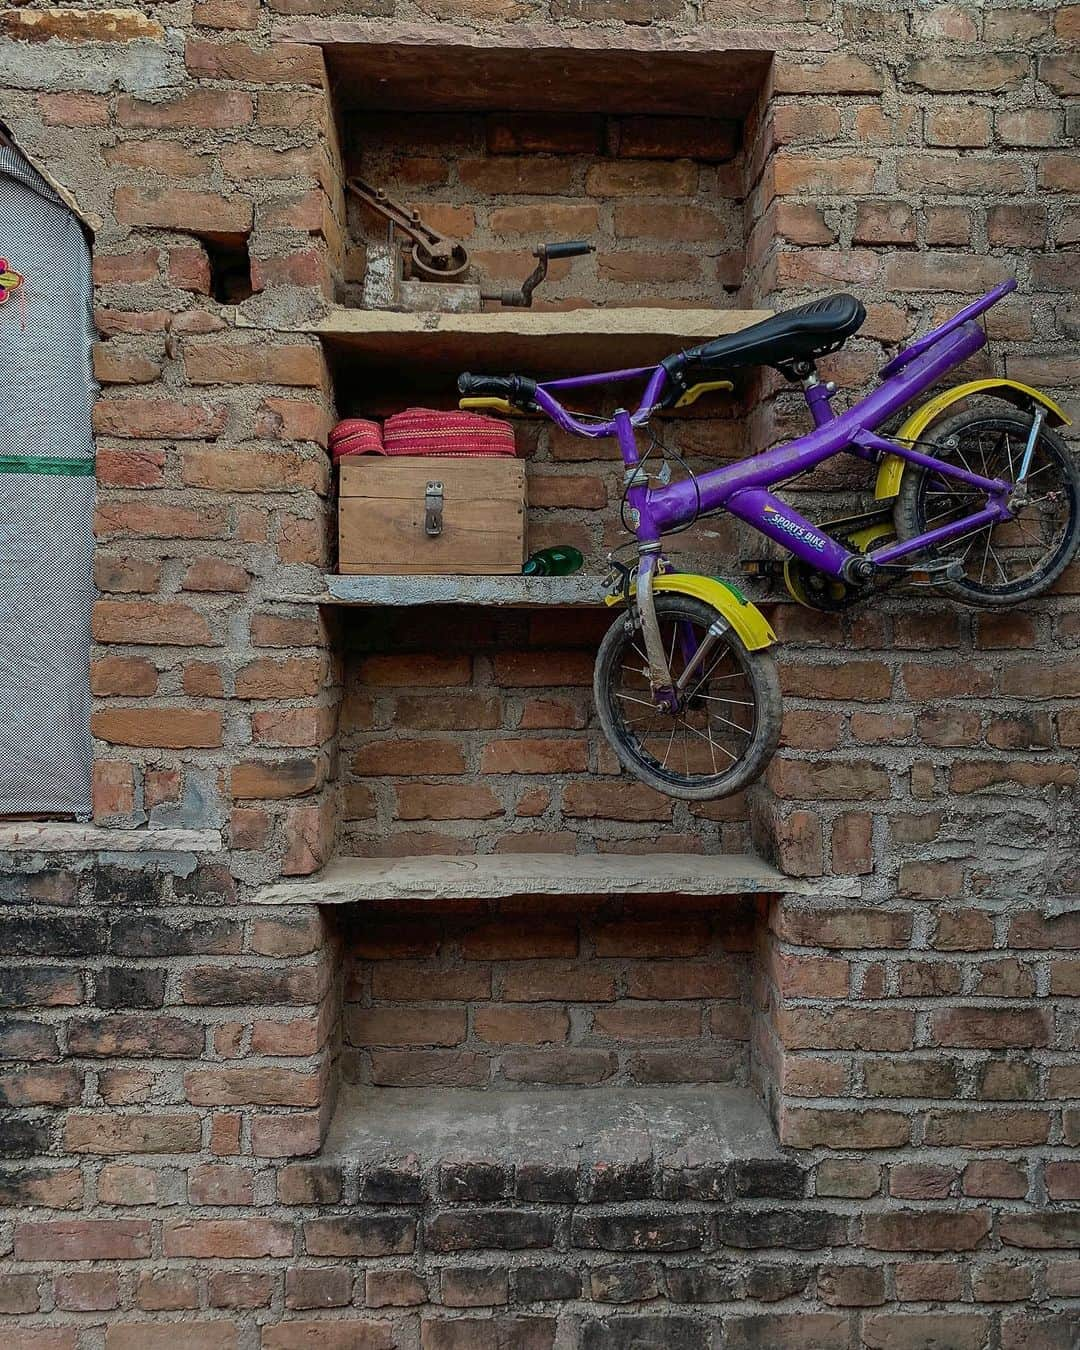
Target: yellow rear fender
{"points": [[746, 619], [1022, 395]]}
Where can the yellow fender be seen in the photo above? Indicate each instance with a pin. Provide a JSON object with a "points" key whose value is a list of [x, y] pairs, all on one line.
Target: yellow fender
{"points": [[746, 619], [892, 466]]}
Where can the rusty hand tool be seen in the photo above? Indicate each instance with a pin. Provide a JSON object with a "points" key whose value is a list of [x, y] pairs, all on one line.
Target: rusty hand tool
{"points": [[435, 256]]}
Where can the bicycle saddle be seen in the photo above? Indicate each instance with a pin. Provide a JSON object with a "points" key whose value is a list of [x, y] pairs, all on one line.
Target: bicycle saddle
{"points": [[794, 335]]}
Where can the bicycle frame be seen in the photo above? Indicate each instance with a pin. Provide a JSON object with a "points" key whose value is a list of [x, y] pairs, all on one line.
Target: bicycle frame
{"points": [[743, 488]]}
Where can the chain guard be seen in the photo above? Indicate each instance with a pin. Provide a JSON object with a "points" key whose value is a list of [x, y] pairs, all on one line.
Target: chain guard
{"points": [[815, 589]]}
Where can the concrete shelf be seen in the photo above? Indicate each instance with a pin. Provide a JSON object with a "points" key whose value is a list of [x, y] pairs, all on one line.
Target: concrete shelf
{"points": [[526, 342], [508, 592], [594, 1129], [495, 876]]}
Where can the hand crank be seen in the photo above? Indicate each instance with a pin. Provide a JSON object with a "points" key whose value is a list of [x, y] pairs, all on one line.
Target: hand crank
{"points": [[435, 256]]}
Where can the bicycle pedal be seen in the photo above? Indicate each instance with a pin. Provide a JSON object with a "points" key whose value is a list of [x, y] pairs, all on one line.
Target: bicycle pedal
{"points": [[763, 569]]}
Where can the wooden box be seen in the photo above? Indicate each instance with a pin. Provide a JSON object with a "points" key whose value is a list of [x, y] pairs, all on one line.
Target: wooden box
{"points": [[384, 504]]}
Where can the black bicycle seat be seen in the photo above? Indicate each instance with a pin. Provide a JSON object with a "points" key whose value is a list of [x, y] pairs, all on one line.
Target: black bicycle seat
{"points": [[792, 336]]}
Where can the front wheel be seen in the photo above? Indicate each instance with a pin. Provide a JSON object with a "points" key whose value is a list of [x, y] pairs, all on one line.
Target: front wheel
{"points": [[1012, 560], [727, 724]]}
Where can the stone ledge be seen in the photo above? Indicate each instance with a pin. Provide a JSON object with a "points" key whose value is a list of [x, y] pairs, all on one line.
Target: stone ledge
{"points": [[33, 836], [594, 1128], [496, 876]]}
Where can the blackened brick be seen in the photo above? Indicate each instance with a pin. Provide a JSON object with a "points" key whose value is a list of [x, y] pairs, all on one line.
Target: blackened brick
{"points": [[52, 935], [392, 1184], [700, 1284], [643, 1333], [619, 1181], [545, 1284], [24, 1138], [361, 1235], [694, 1183], [546, 1182], [123, 886], [127, 987], [629, 1282], [39, 987], [643, 1231], [474, 1230], [771, 1283], [804, 1230], [473, 1180], [149, 935], [768, 1178]]}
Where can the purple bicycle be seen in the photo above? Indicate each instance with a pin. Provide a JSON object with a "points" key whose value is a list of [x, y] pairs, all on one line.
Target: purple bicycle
{"points": [[981, 502]]}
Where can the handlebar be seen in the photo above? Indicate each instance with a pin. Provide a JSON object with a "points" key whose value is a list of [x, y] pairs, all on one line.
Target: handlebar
{"points": [[571, 248], [516, 389]]}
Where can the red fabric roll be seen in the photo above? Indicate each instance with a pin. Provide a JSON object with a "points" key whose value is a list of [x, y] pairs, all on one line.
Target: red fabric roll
{"points": [[356, 436], [424, 431]]}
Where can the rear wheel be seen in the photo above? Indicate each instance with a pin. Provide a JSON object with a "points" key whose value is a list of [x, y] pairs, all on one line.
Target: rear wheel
{"points": [[1011, 560], [724, 731]]}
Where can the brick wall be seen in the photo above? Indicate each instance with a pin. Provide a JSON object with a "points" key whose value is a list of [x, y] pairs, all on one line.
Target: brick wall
{"points": [[619, 993], [171, 1048]]}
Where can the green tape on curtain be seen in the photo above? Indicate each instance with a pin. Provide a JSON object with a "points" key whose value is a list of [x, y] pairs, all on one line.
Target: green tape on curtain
{"points": [[48, 464]]}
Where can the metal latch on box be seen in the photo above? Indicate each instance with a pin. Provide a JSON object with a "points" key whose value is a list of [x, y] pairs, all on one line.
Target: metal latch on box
{"points": [[433, 509]]}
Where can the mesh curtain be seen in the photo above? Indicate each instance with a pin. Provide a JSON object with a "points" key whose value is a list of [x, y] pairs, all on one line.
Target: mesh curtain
{"points": [[46, 500]]}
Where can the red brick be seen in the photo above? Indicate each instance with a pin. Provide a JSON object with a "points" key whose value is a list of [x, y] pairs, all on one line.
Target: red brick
{"points": [[183, 210], [712, 140], [534, 755], [113, 789], [254, 363], [520, 1025], [158, 419], [87, 1291], [989, 73], [206, 109], [253, 1087], [845, 1029], [845, 928], [804, 1127], [164, 623], [926, 1230], [181, 729], [446, 801], [906, 1331], [112, 1134], [829, 780], [928, 1281], [799, 173], [835, 75], [115, 519], [997, 1179], [987, 1129], [283, 63], [236, 1239], [295, 677], [82, 1240], [406, 1026], [73, 110]]}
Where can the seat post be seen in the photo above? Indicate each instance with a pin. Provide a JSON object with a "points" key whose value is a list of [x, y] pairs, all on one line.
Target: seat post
{"points": [[816, 393]]}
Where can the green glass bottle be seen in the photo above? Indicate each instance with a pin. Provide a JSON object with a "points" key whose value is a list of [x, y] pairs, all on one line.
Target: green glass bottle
{"points": [[559, 561]]}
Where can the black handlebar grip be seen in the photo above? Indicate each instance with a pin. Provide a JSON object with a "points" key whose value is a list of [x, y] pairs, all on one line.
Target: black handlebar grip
{"points": [[572, 248]]}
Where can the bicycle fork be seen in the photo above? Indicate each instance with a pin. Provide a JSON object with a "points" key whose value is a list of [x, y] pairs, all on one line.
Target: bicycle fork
{"points": [[668, 692]]}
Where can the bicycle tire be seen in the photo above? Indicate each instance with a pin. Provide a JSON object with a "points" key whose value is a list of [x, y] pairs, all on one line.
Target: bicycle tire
{"points": [[910, 512], [761, 675]]}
